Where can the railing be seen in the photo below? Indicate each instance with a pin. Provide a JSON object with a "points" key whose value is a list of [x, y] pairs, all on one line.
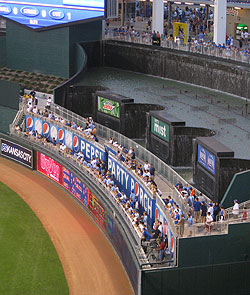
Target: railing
{"points": [[18, 116], [230, 215], [163, 170], [168, 174], [160, 203], [204, 49]]}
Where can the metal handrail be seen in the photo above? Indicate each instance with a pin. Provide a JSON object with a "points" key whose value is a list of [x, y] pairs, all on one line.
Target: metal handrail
{"points": [[202, 49], [160, 203], [166, 172]]}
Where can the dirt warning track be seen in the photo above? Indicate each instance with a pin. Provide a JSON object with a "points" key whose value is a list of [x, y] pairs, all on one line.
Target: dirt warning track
{"points": [[89, 262]]}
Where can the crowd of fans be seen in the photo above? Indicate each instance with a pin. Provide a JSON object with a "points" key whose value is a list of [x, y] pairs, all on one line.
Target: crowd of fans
{"points": [[88, 131], [98, 169], [199, 210], [200, 38]]}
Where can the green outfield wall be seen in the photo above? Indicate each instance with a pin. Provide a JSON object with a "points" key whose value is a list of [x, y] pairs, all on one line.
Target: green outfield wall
{"points": [[52, 52]]}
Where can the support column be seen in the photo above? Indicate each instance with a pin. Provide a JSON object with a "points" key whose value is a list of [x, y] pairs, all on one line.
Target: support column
{"points": [[220, 18], [158, 16]]}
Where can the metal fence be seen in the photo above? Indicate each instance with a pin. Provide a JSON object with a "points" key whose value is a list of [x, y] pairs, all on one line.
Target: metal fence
{"points": [[204, 49]]}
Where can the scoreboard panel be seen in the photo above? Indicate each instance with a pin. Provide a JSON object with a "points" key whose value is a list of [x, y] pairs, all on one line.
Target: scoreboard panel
{"points": [[45, 13]]}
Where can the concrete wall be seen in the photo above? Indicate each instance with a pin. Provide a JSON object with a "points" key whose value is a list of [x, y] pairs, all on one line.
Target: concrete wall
{"points": [[192, 68]]}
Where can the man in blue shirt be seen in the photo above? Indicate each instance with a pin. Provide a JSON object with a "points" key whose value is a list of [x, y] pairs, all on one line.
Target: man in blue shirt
{"points": [[197, 209]]}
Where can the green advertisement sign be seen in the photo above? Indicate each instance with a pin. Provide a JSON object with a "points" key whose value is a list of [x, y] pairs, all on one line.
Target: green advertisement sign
{"points": [[109, 107], [160, 128]]}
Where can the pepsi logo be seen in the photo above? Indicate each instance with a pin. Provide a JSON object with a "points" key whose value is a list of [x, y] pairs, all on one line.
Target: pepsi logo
{"points": [[45, 129], [29, 122], [61, 134], [53, 132], [68, 139], [38, 126], [136, 189], [75, 142]]}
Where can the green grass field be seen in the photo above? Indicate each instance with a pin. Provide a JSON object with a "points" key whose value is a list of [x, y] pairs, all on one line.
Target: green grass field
{"points": [[28, 260]]}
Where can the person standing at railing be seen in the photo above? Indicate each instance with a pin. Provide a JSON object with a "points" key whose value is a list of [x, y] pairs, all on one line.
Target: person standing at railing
{"points": [[222, 214], [236, 210], [244, 215], [197, 209], [190, 224], [216, 211], [203, 212], [209, 221]]}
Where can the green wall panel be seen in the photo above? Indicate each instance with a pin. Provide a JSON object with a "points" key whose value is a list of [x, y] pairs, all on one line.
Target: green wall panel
{"points": [[2, 50], [216, 249], [238, 189], [9, 94], [45, 52], [91, 31]]}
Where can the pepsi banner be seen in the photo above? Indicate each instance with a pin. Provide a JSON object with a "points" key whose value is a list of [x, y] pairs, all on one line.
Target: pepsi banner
{"points": [[17, 153], [126, 183], [206, 159], [61, 135]]}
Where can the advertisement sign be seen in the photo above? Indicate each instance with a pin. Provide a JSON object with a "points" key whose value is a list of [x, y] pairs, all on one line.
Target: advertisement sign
{"points": [[44, 13], [109, 107], [160, 129], [17, 153], [49, 167], [75, 186], [62, 135], [96, 208], [126, 182], [181, 31], [206, 159]]}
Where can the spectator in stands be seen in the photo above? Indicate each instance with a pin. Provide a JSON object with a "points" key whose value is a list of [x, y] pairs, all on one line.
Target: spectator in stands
{"points": [[197, 209], [145, 235], [190, 224], [209, 221], [236, 210], [181, 225], [211, 209], [244, 215], [203, 212], [152, 171], [216, 212], [222, 215]]}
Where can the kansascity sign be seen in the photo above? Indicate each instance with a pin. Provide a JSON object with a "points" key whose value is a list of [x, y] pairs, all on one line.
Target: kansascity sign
{"points": [[17, 153], [160, 128], [109, 107]]}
